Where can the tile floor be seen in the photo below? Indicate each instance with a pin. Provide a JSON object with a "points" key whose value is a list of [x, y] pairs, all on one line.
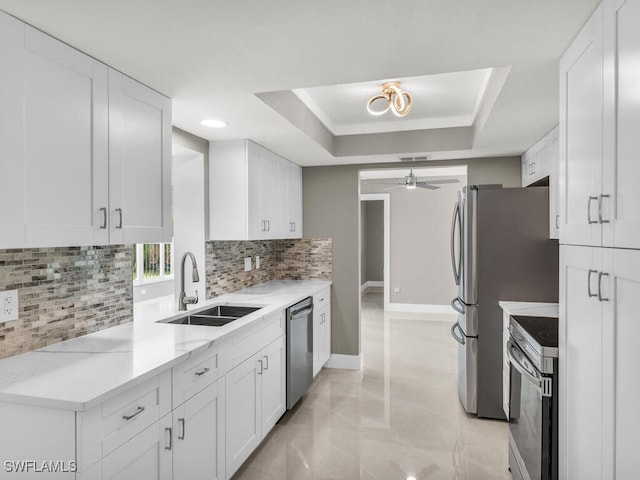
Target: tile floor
{"points": [[398, 418]]}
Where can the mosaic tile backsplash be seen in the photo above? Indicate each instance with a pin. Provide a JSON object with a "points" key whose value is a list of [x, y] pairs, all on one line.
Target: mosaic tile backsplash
{"points": [[304, 259], [64, 293]]}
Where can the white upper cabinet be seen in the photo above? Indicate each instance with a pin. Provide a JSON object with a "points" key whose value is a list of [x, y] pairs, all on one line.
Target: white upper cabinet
{"points": [[54, 162], [74, 144], [581, 90], [254, 193], [540, 165], [621, 165], [139, 162], [599, 121]]}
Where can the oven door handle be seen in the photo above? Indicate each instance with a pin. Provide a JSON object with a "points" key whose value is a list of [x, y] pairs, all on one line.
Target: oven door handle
{"points": [[513, 353]]}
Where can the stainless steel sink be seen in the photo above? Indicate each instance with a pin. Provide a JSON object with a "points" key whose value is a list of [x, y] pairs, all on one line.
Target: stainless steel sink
{"points": [[217, 316], [235, 311]]}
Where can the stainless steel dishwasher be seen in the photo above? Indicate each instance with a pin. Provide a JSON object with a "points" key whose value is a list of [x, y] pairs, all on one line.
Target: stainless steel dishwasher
{"points": [[299, 350]]}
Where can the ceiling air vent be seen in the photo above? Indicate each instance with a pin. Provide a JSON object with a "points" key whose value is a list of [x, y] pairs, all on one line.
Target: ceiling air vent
{"points": [[415, 159]]}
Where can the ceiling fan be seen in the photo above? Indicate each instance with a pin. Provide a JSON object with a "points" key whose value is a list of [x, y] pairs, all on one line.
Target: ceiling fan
{"points": [[411, 181]]}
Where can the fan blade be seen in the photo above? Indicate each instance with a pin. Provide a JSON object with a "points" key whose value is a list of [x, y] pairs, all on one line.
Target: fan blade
{"points": [[392, 188], [436, 182], [428, 187]]}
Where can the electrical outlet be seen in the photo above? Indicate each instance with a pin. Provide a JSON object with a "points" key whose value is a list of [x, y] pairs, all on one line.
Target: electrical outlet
{"points": [[247, 264], [257, 262], [8, 305], [396, 289]]}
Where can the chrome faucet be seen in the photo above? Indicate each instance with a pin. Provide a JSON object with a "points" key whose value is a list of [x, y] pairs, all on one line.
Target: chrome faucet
{"points": [[183, 301]]}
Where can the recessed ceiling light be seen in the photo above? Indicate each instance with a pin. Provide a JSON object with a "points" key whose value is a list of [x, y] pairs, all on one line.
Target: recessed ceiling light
{"points": [[213, 123]]}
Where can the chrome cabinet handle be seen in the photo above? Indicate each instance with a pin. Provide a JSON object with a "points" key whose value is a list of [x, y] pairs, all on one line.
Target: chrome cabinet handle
{"points": [[589, 210], [454, 327], [294, 226], [266, 364], [600, 297], [170, 430], [589, 283], [260, 371], [202, 372], [264, 225], [557, 221], [119, 210], [129, 417], [181, 421], [600, 202], [104, 217], [268, 225]]}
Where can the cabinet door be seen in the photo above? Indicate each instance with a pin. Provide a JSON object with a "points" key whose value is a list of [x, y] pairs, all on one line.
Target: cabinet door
{"points": [[621, 362], [580, 362], [139, 163], [581, 96], [324, 340], [256, 214], [554, 187], [274, 394], [54, 162], [294, 200], [317, 318], [198, 427], [621, 167], [276, 197], [147, 456], [243, 412]]}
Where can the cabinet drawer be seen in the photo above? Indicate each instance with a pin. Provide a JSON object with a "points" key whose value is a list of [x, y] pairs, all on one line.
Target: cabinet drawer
{"points": [[322, 299], [246, 343], [106, 427], [195, 374]]}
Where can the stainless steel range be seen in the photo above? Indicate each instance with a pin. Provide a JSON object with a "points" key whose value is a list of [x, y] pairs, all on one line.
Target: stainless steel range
{"points": [[533, 424]]}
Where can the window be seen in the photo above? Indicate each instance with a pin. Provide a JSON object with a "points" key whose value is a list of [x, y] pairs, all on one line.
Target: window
{"points": [[152, 262]]}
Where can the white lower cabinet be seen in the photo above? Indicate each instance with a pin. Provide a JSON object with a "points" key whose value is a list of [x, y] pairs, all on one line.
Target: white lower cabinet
{"points": [[255, 400], [321, 329], [599, 363], [147, 456], [198, 436]]}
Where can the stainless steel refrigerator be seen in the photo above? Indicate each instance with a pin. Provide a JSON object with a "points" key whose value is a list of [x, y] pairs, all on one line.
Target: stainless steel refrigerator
{"points": [[500, 250]]}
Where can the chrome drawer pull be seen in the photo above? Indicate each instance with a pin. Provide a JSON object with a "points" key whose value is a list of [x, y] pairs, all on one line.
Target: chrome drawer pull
{"points": [[266, 364], [170, 430], [600, 297], [129, 417], [589, 210], [202, 372], [119, 210], [104, 217], [600, 202], [181, 421], [260, 371], [589, 283]]}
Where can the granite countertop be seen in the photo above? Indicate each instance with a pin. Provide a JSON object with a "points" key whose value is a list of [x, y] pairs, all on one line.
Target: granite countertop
{"points": [[530, 309], [83, 372]]}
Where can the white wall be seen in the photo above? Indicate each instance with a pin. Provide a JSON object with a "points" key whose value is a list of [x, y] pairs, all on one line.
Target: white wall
{"points": [[189, 217]]}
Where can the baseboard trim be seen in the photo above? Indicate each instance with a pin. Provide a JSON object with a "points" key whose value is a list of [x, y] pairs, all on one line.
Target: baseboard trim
{"points": [[420, 308], [349, 362], [371, 283]]}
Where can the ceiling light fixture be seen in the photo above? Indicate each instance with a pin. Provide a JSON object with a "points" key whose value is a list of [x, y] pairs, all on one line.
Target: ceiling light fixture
{"points": [[213, 123], [398, 100]]}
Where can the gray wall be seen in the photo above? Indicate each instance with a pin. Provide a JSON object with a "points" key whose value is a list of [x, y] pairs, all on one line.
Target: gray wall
{"points": [[373, 240], [420, 242], [331, 209]]}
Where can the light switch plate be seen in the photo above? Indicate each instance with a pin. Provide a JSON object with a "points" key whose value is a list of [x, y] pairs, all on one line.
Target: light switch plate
{"points": [[257, 262], [8, 305], [247, 264]]}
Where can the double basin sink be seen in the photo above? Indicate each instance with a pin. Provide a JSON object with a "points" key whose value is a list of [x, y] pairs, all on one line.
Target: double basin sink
{"points": [[217, 316]]}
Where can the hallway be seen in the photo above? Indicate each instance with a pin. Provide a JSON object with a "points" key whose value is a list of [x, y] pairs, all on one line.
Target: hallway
{"points": [[398, 418]]}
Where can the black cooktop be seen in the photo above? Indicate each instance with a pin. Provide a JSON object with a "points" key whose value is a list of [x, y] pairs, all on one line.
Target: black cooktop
{"points": [[543, 330]]}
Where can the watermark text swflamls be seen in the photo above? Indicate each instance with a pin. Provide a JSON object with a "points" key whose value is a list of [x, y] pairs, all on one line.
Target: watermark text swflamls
{"points": [[45, 466]]}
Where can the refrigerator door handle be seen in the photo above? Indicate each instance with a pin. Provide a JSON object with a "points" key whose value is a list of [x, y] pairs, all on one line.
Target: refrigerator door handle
{"points": [[454, 327], [457, 305], [454, 265]]}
